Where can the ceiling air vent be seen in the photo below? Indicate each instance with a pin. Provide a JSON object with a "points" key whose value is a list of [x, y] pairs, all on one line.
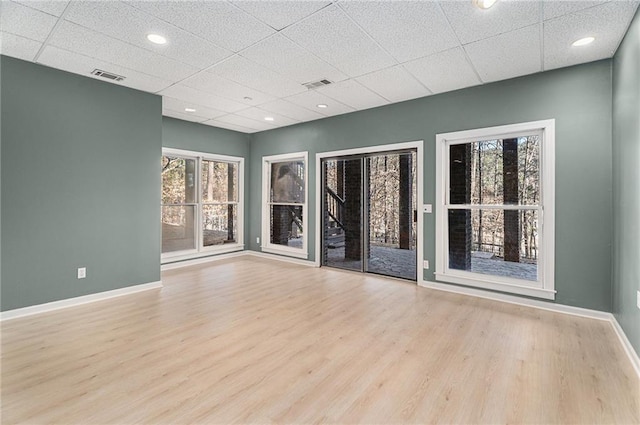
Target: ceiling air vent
{"points": [[316, 84], [107, 75]]}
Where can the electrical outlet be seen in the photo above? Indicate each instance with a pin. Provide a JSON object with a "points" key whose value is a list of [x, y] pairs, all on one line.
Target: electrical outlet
{"points": [[638, 298], [425, 264], [258, 240], [82, 272]]}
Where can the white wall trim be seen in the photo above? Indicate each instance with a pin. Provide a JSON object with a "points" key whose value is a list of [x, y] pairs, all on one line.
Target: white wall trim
{"points": [[238, 254], [548, 306], [493, 283], [76, 301], [222, 249], [204, 259], [204, 155], [626, 345], [513, 299], [276, 257], [290, 252]]}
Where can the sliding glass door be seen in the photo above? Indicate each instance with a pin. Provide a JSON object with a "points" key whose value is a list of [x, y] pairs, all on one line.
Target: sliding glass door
{"points": [[369, 213]]}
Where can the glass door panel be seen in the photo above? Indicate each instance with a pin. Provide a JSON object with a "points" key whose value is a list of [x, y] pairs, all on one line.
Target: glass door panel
{"points": [[391, 215], [342, 213]]}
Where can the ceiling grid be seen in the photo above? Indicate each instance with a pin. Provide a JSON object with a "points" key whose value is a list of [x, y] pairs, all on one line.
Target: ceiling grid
{"points": [[231, 64]]}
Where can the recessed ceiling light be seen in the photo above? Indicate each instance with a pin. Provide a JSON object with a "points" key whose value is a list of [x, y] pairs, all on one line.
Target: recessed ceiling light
{"points": [[268, 118], [189, 110], [484, 4], [156, 38], [583, 41], [321, 105]]}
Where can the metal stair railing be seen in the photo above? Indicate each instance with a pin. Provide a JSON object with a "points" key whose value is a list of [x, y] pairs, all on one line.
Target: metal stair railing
{"points": [[335, 207]]}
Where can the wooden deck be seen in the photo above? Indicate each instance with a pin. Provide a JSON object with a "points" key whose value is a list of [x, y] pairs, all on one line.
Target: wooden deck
{"points": [[259, 341]]}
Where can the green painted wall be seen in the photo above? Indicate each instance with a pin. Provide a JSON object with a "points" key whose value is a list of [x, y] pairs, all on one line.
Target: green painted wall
{"points": [[203, 138], [626, 183], [80, 185], [579, 98]]}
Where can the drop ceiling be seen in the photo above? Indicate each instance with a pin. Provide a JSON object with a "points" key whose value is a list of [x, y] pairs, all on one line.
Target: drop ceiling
{"points": [[238, 62]]}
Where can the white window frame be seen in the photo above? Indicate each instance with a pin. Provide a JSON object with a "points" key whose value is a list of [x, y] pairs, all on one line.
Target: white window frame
{"points": [[544, 287], [200, 250], [266, 244]]}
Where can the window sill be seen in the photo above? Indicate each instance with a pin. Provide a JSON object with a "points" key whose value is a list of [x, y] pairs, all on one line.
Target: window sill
{"points": [[511, 288], [286, 252]]}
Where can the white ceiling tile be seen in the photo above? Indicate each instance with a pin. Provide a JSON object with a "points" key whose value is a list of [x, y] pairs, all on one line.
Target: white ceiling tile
{"points": [[83, 65], [354, 94], [229, 126], [607, 23], [250, 74], [291, 110], [18, 47], [198, 97], [211, 83], [444, 71], [280, 14], [179, 105], [310, 99], [259, 114], [507, 55], [182, 115], [126, 23], [357, 45], [554, 9], [78, 39], [245, 122], [394, 83], [406, 29], [219, 22], [25, 21], [52, 7], [332, 36], [472, 23], [287, 58]]}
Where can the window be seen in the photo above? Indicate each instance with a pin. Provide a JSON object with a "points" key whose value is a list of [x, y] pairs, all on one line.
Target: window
{"points": [[284, 198], [201, 204], [495, 211]]}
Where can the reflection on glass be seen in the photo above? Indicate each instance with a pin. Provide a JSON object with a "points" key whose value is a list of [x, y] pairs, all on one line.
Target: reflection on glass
{"points": [[286, 226], [178, 228], [219, 181], [287, 182], [495, 242], [219, 224], [178, 180]]}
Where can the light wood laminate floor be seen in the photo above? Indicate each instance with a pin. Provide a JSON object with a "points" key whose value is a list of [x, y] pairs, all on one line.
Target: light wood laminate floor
{"points": [[260, 341]]}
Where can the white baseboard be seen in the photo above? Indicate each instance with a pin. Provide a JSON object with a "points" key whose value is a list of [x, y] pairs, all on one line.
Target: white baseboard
{"points": [[626, 344], [544, 305], [281, 258], [76, 301], [201, 260], [513, 299]]}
